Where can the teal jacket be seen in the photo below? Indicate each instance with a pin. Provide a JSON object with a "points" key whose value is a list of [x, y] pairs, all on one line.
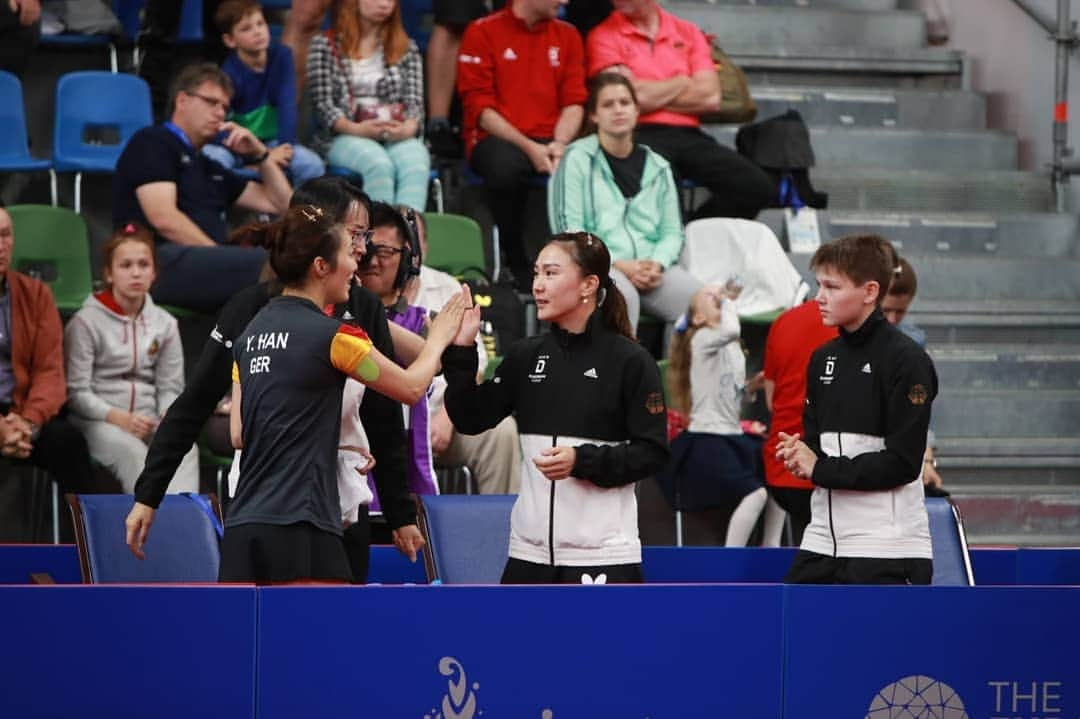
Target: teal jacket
{"points": [[583, 196]]}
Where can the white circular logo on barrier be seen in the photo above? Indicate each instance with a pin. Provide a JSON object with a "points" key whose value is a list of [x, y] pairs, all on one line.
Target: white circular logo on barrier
{"points": [[917, 697]]}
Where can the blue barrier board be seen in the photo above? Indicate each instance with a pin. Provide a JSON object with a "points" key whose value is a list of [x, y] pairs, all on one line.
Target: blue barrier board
{"points": [[19, 561], [128, 651], [630, 652], [1047, 566], [943, 652]]}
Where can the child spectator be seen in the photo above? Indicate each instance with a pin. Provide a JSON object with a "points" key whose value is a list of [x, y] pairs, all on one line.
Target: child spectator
{"points": [[125, 365], [264, 92], [713, 458], [366, 80], [868, 399]]}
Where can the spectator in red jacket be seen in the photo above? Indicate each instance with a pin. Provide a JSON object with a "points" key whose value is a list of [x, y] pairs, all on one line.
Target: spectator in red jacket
{"points": [[792, 338], [521, 76], [32, 385]]}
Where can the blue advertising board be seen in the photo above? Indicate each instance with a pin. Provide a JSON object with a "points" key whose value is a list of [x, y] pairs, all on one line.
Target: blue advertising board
{"points": [[577, 652], [942, 652]]}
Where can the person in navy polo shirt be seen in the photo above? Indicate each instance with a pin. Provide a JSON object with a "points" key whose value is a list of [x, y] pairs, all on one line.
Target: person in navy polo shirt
{"points": [[164, 182]]}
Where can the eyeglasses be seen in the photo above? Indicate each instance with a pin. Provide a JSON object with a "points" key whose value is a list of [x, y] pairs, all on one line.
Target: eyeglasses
{"points": [[360, 237], [211, 101], [384, 252]]}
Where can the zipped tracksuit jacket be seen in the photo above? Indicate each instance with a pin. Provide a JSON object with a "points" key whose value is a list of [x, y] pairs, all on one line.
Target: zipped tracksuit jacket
{"points": [[583, 195], [598, 392], [868, 398]]}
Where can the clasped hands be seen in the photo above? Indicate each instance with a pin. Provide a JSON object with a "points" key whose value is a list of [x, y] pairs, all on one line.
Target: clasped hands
{"points": [[796, 456]]}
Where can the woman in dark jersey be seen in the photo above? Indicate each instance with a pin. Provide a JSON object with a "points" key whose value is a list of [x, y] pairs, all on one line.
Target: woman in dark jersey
{"points": [[291, 362]]}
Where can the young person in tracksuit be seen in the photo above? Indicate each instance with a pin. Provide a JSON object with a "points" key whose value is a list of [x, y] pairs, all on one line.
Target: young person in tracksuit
{"points": [[591, 417], [868, 397]]}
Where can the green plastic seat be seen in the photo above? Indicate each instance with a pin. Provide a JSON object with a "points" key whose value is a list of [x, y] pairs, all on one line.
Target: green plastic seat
{"points": [[492, 365], [51, 244], [455, 244]]}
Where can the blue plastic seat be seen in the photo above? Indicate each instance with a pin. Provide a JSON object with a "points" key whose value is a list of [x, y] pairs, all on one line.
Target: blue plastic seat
{"points": [[952, 563], [96, 114], [468, 536], [191, 22], [183, 544], [14, 148]]}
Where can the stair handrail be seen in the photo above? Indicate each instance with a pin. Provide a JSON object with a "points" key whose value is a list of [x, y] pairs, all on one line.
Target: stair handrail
{"points": [[1062, 31]]}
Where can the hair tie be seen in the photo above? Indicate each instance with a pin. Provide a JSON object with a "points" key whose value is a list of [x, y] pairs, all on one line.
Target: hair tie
{"points": [[129, 228], [682, 324]]}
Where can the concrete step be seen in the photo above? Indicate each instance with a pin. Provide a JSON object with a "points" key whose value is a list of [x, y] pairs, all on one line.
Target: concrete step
{"points": [[846, 66], [868, 107], [868, 5], [903, 149], [981, 465], [742, 26], [1039, 517], [1013, 366], [1050, 281], [869, 188], [1006, 413], [928, 233], [1036, 322]]}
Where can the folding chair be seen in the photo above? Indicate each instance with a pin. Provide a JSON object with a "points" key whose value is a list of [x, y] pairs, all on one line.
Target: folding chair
{"points": [[468, 536], [952, 562], [455, 243], [183, 545], [14, 148], [717, 248], [52, 245], [96, 114]]}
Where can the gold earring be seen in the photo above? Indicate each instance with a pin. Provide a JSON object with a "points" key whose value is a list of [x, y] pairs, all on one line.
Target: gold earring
{"points": [[584, 299]]}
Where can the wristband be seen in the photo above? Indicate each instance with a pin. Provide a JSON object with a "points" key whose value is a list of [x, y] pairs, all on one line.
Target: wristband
{"points": [[260, 159]]}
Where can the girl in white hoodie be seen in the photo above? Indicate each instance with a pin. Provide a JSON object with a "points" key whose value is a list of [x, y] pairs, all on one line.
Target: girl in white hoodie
{"points": [[125, 365]]}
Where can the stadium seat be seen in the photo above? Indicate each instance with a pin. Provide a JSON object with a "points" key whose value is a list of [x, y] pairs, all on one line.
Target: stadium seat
{"points": [[952, 563], [467, 536], [717, 248], [52, 246], [183, 545], [455, 243], [14, 147], [96, 114]]}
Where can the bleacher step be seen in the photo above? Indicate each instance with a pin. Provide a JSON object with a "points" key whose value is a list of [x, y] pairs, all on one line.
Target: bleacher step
{"points": [[868, 5], [1047, 280], [846, 66], [1031, 367], [741, 26], [936, 233], [961, 412], [869, 188], [1037, 517], [903, 149], [869, 107]]}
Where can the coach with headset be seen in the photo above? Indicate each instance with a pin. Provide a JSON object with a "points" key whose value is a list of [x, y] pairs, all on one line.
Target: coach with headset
{"points": [[393, 271]]}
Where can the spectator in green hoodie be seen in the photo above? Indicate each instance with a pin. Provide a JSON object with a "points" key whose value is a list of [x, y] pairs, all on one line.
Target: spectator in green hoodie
{"points": [[624, 193]]}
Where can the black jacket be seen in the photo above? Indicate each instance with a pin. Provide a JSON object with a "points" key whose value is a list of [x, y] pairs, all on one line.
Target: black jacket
{"points": [[598, 392], [868, 398], [211, 379]]}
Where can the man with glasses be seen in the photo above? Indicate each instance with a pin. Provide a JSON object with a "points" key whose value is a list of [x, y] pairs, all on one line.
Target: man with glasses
{"points": [[165, 183]]}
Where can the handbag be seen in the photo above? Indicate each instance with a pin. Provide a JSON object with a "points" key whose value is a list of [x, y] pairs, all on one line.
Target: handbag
{"points": [[736, 105]]}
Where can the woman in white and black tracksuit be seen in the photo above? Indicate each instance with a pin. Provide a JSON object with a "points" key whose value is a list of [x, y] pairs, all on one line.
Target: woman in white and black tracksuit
{"points": [[590, 411]]}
